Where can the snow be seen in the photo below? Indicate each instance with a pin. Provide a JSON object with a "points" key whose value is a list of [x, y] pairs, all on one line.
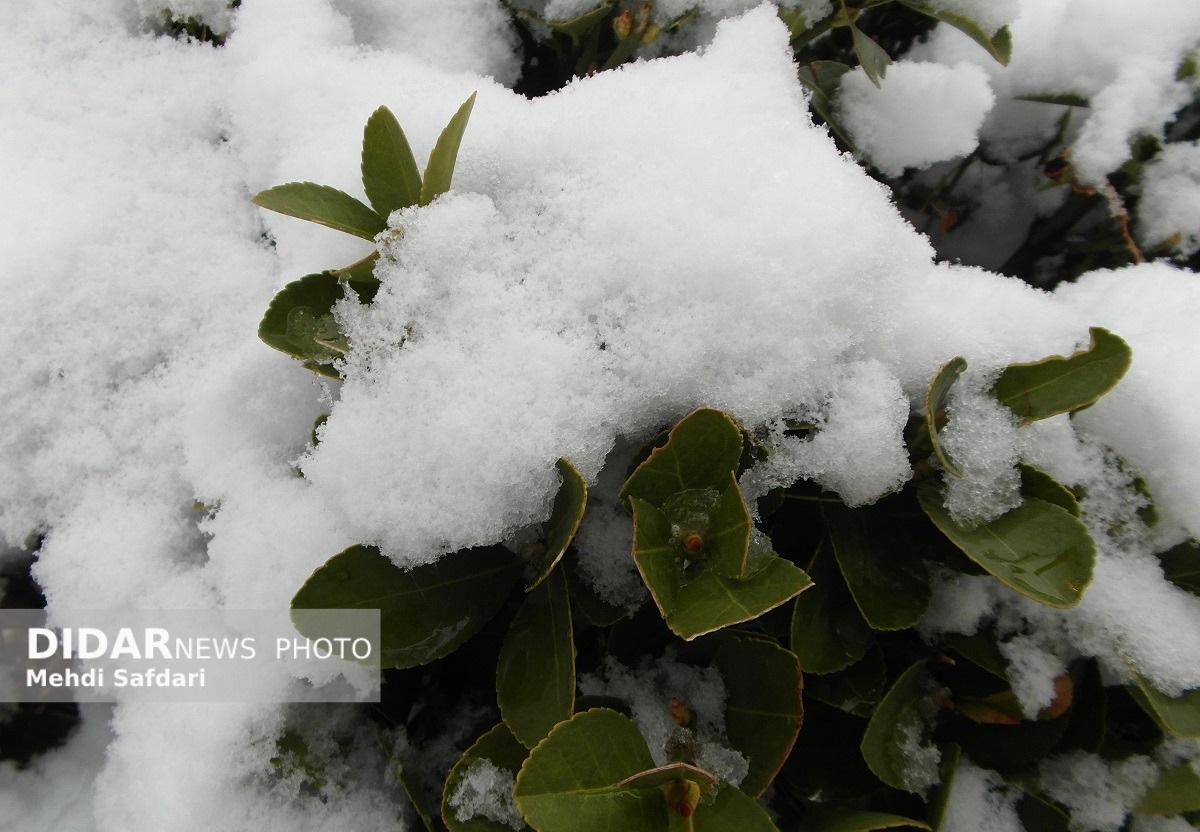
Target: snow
{"points": [[1170, 205], [673, 234], [921, 113], [485, 791], [1098, 792], [980, 801]]}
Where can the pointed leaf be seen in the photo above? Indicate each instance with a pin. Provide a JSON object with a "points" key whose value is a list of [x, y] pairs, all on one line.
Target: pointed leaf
{"points": [[727, 545], [361, 275], [668, 774], [576, 27], [1038, 548], [701, 451], [935, 404], [300, 322], [819, 819], [1039, 484], [763, 708], [998, 45], [939, 801], [828, 631], [571, 780], [890, 587], [499, 749], [1177, 791], [569, 505], [871, 56], [407, 773], [323, 205], [426, 612], [389, 171], [698, 600], [440, 168], [902, 719], [1057, 385], [1180, 715], [1065, 99], [535, 674]]}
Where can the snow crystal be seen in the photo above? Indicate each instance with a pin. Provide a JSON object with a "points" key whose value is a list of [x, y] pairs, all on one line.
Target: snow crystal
{"points": [[921, 757], [1170, 203], [920, 114], [1098, 792], [485, 790], [980, 801], [981, 438], [1031, 672]]}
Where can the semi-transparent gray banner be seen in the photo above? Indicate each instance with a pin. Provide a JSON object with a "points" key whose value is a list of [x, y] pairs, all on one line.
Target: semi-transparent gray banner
{"points": [[189, 656]]}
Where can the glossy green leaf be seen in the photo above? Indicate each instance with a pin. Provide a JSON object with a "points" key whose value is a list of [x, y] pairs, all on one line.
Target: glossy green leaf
{"points": [[569, 505], [1180, 715], [901, 719], [535, 674], [939, 801], [980, 649], [439, 170], [935, 404], [1038, 815], [1039, 484], [763, 707], [1038, 548], [389, 172], [1057, 385], [818, 819], [576, 27], [855, 690], [998, 45], [697, 599], [570, 781], [323, 205], [669, 773], [300, 322], [1177, 791], [732, 810], [498, 747], [828, 631], [426, 612], [890, 587], [727, 544], [700, 452], [1181, 566], [871, 56]]}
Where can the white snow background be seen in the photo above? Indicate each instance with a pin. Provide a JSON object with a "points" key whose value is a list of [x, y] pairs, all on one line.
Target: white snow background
{"points": [[683, 212]]}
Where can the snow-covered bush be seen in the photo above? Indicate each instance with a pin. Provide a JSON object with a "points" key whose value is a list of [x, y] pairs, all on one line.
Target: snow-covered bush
{"points": [[697, 486]]}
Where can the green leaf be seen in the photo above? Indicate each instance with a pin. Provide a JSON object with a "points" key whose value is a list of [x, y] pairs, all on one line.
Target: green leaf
{"points": [[819, 819], [890, 587], [900, 721], [426, 612], [498, 747], [571, 781], [998, 45], [535, 674], [939, 802], [1181, 566], [828, 631], [569, 505], [763, 708], [576, 27], [871, 56], [1038, 548], [1180, 715], [300, 322], [1039, 484], [824, 77], [700, 452], [405, 771], [1177, 791], [389, 172], [1041, 816], [855, 690], [361, 275], [439, 170], [935, 404], [1065, 99], [698, 600], [323, 205], [732, 810], [981, 650], [1057, 385], [727, 544], [670, 773]]}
